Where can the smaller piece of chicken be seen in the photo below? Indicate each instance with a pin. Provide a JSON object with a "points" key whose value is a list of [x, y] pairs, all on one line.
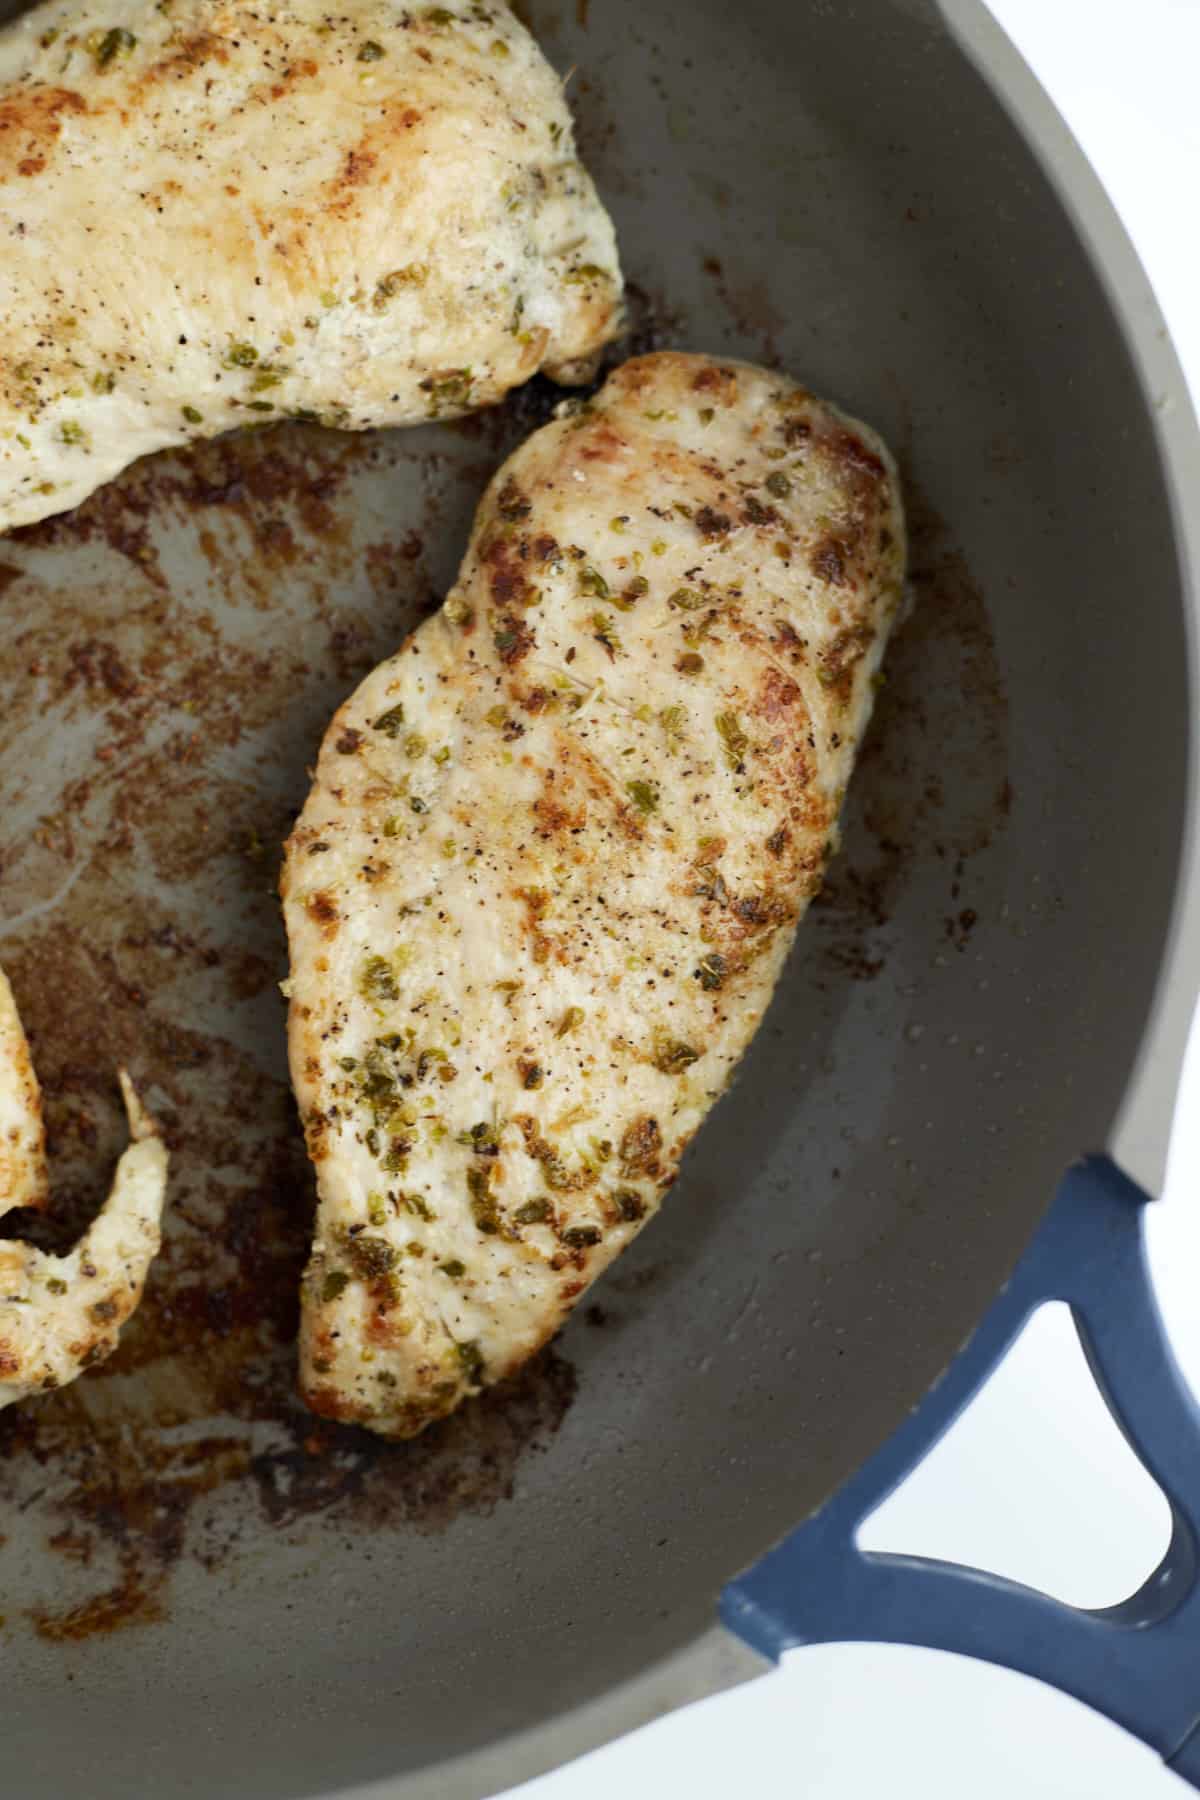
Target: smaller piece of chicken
{"points": [[61, 1314]]}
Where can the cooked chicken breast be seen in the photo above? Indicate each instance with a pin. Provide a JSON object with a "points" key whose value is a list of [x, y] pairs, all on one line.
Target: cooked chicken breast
{"points": [[216, 213], [61, 1314], [555, 855]]}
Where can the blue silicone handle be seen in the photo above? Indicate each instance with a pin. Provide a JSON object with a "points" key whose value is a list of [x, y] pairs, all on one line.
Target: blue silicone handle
{"points": [[1139, 1663]]}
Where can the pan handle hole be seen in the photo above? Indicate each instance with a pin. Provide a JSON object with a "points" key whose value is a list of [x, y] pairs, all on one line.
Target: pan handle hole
{"points": [[1034, 1481]]}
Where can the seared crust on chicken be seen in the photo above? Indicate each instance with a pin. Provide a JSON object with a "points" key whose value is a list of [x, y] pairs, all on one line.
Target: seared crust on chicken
{"points": [[61, 1314], [555, 855], [217, 213]]}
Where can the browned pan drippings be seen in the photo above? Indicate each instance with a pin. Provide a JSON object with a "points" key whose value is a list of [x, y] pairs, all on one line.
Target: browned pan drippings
{"points": [[151, 754]]}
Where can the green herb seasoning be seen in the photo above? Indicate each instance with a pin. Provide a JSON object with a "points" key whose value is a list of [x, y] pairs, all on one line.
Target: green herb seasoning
{"points": [[673, 719], [483, 1203], [634, 591], [334, 1284], [449, 390], [106, 46], [192, 414], [268, 375], [241, 356], [72, 432], [390, 722], [471, 1358], [778, 484], [644, 796], [534, 1212], [581, 1237], [672, 1058], [370, 1257], [711, 884], [592, 582], [629, 1204], [388, 286], [734, 741], [482, 1138], [454, 1269], [711, 972], [398, 1152], [605, 634], [371, 52], [573, 1017], [377, 981]]}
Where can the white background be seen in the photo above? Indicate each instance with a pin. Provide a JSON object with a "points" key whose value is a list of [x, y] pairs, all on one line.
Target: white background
{"points": [[1033, 1481]]}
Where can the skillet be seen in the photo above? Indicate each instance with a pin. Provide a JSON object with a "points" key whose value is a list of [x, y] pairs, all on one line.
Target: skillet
{"points": [[207, 1591]]}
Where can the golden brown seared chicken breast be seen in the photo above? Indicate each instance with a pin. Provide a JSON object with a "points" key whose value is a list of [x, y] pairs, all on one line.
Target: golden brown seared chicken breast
{"points": [[554, 857], [215, 213], [61, 1314]]}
